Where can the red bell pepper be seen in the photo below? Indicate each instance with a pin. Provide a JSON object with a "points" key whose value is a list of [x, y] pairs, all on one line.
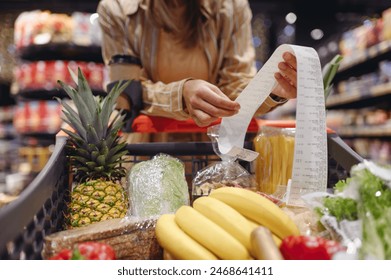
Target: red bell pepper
{"points": [[87, 251], [309, 248]]}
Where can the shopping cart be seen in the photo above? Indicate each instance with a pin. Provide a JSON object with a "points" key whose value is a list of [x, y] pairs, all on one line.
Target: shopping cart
{"points": [[41, 207]]}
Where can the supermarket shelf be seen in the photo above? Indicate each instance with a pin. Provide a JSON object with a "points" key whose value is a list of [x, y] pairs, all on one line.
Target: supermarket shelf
{"points": [[64, 51], [379, 131], [42, 94], [364, 61], [359, 99]]}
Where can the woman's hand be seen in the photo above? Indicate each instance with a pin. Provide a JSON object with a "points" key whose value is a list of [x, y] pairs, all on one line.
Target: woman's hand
{"points": [[286, 77], [206, 102]]}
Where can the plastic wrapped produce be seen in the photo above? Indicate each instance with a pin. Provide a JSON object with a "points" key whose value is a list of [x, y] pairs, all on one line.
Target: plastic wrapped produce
{"points": [[157, 186], [225, 173]]}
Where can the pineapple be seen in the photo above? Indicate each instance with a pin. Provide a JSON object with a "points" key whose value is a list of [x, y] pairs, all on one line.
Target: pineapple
{"points": [[95, 154]]}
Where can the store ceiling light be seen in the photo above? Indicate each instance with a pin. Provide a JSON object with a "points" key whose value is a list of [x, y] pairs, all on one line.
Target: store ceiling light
{"points": [[291, 18], [93, 18], [317, 34], [289, 30]]}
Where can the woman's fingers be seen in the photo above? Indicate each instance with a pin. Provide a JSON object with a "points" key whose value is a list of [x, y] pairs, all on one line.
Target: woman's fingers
{"points": [[286, 77], [290, 59], [206, 103], [202, 119], [214, 110], [288, 72], [218, 99], [284, 88]]}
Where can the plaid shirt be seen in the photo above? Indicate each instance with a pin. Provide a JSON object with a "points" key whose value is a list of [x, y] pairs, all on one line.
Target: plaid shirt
{"points": [[228, 49]]}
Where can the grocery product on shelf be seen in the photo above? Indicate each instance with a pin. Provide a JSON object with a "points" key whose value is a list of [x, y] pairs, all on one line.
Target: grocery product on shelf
{"points": [[44, 27], [45, 45], [35, 117], [44, 75]]}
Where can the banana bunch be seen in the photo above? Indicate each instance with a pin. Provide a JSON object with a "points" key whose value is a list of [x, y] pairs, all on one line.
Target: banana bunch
{"points": [[229, 224]]}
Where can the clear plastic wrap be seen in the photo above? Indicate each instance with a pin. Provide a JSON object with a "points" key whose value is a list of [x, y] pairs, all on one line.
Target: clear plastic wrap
{"points": [[227, 172], [358, 213], [157, 186], [273, 167]]}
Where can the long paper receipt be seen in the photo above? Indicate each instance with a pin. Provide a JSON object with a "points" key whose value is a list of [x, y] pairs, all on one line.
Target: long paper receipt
{"points": [[309, 172]]}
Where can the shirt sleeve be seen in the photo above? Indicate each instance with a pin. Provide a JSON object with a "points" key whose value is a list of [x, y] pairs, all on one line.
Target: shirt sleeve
{"points": [[238, 66], [164, 100], [112, 24], [159, 99]]}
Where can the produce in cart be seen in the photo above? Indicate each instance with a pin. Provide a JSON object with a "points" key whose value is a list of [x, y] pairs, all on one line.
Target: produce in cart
{"points": [[358, 213], [96, 154], [157, 186], [87, 251], [221, 226]]}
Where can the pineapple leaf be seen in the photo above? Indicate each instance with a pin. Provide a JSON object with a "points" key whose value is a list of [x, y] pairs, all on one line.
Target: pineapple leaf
{"points": [[111, 139], [86, 93], [101, 160], [75, 124], [82, 160], [91, 148], [107, 105], [99, 127], [83, 169], [99, 169], [117, 156], [110, 100], [115, 129], [104, 150], [94, 155], [86, 117], [116, 149], [91, 164], [92, 137], [82, 153], [73, 75], [118, 119], [73, 135], [72, 118]]}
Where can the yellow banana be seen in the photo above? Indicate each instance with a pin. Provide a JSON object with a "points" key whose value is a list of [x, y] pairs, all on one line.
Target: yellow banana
{"points": [[225, 216], [276, 239], [177, 243], [210, 235], [257, 208]]}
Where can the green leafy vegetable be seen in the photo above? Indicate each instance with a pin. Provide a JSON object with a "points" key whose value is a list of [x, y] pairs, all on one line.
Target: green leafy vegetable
{"points": [[329, 71], [157, 186], [372, 207], [339, 207], [375, 212]]}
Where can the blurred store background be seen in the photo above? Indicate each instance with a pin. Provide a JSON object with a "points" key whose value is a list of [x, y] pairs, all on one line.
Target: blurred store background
{"points": [[40, 39]]}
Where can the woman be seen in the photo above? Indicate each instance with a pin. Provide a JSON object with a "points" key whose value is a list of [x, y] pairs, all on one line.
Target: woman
{"points": [[193, 57]]}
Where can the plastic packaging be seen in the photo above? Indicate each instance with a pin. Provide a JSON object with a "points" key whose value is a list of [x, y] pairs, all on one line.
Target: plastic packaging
{"points": [[157, 186], [273, 167], [358, 213], [227, 172]]}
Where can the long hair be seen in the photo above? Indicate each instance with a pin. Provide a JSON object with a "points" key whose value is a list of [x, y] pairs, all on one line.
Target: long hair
{"points": [[188, 30]]}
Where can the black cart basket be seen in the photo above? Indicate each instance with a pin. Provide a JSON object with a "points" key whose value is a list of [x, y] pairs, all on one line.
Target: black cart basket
{"points": [[41, 207]]}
